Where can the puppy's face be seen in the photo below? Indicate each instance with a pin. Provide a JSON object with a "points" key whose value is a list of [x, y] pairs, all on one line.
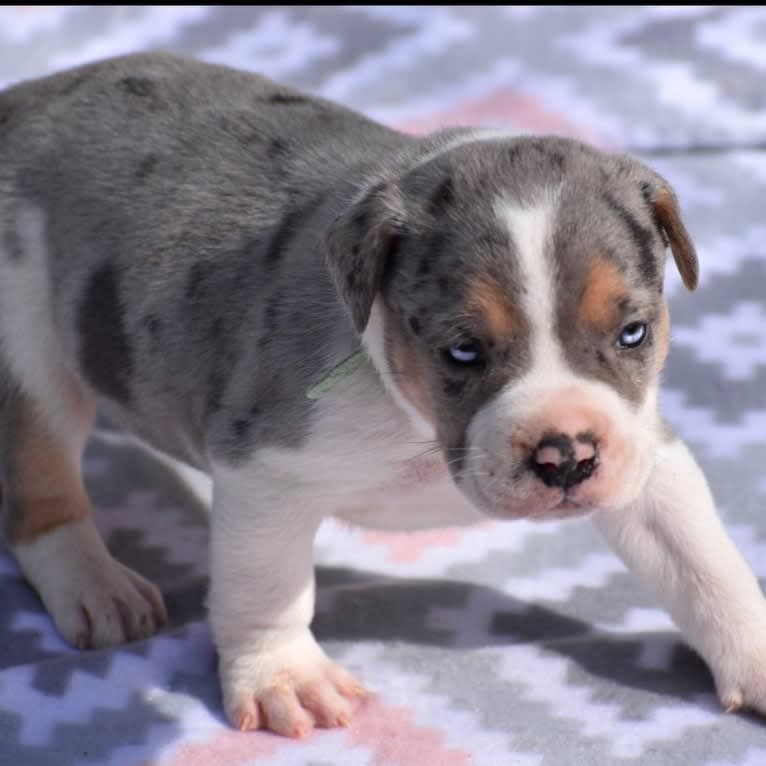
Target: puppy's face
{"points": [[519, 316]]}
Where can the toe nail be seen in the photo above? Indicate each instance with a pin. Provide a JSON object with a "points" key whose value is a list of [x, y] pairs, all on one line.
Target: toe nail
{"points": [[733, 702], [245, 722]]}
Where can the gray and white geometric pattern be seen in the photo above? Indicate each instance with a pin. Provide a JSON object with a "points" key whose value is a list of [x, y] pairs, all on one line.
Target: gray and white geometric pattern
{"points": [[499, 644]]}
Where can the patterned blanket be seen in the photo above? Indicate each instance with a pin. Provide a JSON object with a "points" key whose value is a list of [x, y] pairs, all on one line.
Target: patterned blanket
{"points": [[499, 644]]}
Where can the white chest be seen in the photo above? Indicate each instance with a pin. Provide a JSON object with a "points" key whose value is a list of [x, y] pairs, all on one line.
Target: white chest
{"points": [[420, 495]]}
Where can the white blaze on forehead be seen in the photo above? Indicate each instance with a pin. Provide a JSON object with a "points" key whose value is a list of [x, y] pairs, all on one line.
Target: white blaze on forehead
{"points": [[531, 230]]}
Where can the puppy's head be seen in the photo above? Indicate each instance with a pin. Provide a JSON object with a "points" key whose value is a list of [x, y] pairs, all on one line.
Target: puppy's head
{"points": [[510, 291]]}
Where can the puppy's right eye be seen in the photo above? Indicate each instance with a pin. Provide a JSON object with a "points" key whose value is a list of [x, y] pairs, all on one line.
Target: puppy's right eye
{"points": [[632, 335], [466, 354]]}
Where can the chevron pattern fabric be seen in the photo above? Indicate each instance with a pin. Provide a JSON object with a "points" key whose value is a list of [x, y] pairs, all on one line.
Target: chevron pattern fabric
{"points": [[516, 644]]}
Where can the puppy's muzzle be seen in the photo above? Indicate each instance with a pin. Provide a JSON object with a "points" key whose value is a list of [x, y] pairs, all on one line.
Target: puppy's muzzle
{"points": [[561, 461]]}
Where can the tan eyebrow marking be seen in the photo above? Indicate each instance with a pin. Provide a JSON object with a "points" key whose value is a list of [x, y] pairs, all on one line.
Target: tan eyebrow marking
{"points": [[494, 305], [604, 287]]}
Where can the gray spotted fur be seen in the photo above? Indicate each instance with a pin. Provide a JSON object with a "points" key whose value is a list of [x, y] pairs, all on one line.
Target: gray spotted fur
{"points": [[192, 212]]}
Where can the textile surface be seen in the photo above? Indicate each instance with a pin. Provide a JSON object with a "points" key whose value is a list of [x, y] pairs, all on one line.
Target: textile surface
{"points": [[500, 644]]}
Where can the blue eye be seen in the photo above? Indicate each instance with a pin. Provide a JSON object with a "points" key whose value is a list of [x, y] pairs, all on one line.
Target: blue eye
{"points": [[633, 335], [465, 354]]}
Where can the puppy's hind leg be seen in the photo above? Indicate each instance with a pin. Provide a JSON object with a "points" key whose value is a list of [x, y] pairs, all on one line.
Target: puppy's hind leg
{"points": [[94, 600]]}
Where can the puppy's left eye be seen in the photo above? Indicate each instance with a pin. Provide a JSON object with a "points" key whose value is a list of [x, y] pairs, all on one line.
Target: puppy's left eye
{"points": [[466, 354], [632, 335]]}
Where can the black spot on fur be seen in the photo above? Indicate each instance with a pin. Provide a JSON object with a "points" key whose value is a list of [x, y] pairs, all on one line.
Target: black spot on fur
{"points": [[414, 323], [359, 220], [215, 387], [251, 137], [394, 253], [215, 333], [642, 236], [648, 195], [106, 354], [437, 241], [153, 325], [137, 86], [228, 125], [291, 224], [13, 245], [272, 312], [240, 428], [453, 387], [146, 166], [74, 84], [443, 283], [223, 358], [443, 196], [195, 281], [287, 98], [278, 244], [424, 267], [277, 148]]}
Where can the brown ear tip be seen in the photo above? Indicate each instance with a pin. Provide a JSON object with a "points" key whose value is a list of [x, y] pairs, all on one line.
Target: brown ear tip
{"points": [[691, 280], [688, 266]]}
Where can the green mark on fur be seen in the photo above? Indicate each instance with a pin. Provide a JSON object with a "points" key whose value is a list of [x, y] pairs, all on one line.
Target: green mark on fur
{"points": [[340, 372]]}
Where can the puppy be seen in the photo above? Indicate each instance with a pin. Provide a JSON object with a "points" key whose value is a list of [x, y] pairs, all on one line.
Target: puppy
{"points": [[203, 254]]}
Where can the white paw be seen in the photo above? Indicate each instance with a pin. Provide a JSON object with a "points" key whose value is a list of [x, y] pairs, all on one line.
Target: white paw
{"points": [[288, 689], [94, 600]]}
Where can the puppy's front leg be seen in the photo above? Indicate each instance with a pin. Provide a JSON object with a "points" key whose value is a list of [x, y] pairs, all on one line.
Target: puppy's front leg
{"points": [[673, 539], [273, 673]]}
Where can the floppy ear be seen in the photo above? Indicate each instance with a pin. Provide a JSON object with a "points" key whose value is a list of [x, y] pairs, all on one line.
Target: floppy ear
{"points": [[668, 217], [360, 246]]}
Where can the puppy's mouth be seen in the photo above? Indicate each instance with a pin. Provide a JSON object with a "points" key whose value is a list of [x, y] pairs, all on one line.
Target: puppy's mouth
{"points": [[568, 506], [538, 503], [564, 504]]}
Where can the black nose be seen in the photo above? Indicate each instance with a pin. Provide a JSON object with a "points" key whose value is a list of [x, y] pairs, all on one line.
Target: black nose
{"points": [[558, 461]]}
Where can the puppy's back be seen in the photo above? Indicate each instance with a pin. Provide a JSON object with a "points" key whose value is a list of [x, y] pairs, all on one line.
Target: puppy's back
{"points": [[169, 210]]}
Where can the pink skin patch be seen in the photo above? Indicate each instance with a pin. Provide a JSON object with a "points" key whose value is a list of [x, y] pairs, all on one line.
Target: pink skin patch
{"points": [[504, 106]]}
